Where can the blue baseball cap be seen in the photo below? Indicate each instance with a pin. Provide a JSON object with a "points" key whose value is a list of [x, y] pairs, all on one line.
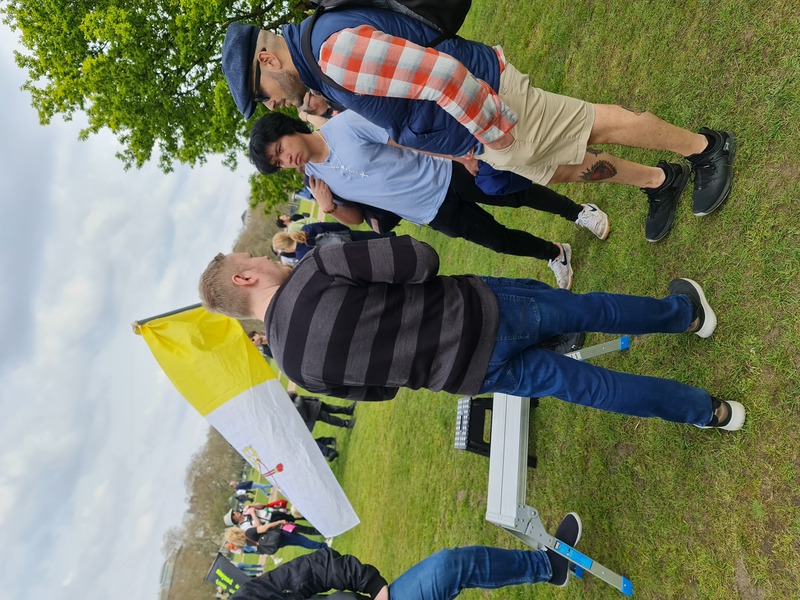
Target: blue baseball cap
{"points": [[238, 52]]}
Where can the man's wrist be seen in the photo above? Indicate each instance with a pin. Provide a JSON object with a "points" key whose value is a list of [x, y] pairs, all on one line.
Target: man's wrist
{"points": [[332, 210]]}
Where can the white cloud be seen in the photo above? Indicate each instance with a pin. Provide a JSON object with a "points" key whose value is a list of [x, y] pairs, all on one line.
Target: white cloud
{"points": [[94, 439]]}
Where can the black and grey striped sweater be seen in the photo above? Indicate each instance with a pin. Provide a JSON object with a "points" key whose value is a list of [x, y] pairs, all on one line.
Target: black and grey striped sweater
{"points": [[362, 319]]}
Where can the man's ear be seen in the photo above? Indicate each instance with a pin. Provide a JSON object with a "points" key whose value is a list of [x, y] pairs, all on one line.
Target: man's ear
{"points": [[269, 61], [243, 280]]}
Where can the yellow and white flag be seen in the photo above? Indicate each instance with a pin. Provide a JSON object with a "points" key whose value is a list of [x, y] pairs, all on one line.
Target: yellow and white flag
{"points": [[215, 366]]}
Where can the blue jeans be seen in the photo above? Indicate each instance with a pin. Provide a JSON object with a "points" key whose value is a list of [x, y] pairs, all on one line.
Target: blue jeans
{"points": [[290, 538], [264, 487], [443, 575], [531, 311]]}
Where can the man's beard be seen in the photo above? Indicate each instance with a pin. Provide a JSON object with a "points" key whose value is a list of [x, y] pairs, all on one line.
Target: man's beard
{"points": [[293, 88]]}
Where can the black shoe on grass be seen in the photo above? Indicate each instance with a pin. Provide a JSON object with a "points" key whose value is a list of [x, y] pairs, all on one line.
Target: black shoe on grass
{"points": [[703, 313], [713, 172], [569, 532], [664, 200]]}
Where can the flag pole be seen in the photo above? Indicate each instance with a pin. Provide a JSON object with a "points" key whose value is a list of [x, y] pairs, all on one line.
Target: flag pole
{"points": [[135, 325]]}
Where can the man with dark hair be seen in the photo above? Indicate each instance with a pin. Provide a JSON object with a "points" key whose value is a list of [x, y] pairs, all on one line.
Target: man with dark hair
{"points": [[362, 319], [349, 157], [463, 98], [441, 576], [254, 515], [285, 221]]}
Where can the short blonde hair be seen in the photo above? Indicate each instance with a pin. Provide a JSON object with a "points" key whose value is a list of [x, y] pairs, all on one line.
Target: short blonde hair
{"points": [[283, 240], [218, 292], [235, 536]]}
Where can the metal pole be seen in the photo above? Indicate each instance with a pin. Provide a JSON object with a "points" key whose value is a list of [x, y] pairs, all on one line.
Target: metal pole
{"points": [[135, 325]]}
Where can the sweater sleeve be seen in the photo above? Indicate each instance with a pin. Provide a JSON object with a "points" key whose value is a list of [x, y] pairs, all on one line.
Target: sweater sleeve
{"points": [[349, 392], [396, 260]]}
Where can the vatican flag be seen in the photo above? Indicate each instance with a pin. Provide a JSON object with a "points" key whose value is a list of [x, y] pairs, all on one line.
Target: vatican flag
{"points": [[215, 366]]}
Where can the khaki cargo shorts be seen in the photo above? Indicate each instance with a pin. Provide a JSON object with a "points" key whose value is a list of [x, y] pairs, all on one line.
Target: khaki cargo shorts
{"points": [[552, 130]]}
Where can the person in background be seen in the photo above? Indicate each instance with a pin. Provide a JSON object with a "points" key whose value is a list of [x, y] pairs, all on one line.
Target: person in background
{"points": [[441, 576]]}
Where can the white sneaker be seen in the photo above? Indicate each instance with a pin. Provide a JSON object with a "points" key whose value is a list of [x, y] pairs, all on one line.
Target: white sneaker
{"points": [[595, 220], [562, 268], [736, 416]]}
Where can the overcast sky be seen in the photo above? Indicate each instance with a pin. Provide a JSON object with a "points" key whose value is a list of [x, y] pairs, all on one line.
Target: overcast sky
{"points": [[94, 440]]}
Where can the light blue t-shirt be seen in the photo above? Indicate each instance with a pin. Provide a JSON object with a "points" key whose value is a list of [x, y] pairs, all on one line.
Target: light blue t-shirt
{"points": [[364, 168]]}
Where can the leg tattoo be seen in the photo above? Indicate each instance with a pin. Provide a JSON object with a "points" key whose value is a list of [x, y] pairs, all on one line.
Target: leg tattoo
{"points": [[599, 171], [636, 111]]}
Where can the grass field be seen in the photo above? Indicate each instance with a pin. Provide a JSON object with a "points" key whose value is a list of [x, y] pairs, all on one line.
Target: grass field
{"points": [[684, 513]]}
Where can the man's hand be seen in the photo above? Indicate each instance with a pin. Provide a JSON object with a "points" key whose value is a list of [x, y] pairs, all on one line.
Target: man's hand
{"points": [[470, 162], [322, 194], [501, 143], [383, 594]]}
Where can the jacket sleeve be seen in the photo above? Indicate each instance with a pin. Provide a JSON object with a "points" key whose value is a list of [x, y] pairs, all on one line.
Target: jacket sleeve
{"points": [[396, 260], [346, 572], [315, 229], [312, 574], [356, 59]]}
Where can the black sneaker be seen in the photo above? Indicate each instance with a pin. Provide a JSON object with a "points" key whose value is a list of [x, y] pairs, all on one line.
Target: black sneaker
{"points": [[702, 309], [713, 172], [569, 532], [664, 200]]}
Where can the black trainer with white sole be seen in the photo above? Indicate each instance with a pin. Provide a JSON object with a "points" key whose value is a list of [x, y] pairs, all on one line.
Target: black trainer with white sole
{"points": [[569, 532], [702, 309], [713, 172]]}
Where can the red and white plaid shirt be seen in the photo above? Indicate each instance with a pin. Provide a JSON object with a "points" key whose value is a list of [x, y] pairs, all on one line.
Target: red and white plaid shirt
{"points": [[369, 62]]}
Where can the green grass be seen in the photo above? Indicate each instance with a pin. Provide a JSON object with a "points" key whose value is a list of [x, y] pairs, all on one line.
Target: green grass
{"points": [[684, 513]]}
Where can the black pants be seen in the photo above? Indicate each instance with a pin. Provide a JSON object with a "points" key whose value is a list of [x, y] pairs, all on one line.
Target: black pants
{"points": [[461, 216], [326, 446], [325, 412], [304, 529]]}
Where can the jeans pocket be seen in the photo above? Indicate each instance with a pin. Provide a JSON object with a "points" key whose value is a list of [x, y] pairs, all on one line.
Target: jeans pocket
{"points": [[508, 382], [519, 318]]}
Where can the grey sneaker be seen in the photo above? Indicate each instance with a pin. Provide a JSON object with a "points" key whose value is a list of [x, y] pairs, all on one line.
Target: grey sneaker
{"points": [[702, 309], [735, 420], [562, 267], [595, 220], [569, 532]]}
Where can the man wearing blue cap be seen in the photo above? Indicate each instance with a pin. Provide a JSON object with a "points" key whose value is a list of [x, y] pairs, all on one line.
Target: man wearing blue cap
{"points": [[463, 98]]}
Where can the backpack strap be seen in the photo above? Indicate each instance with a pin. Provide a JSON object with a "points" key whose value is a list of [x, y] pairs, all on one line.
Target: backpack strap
{"points": [[308, 52]]}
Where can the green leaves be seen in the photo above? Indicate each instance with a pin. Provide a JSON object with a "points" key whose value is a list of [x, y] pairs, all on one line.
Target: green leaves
{"points": [[147, 70]]}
